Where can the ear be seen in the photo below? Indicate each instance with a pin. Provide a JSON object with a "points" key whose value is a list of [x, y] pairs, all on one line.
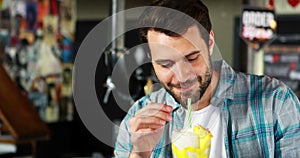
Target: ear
{"points": [[211, 42]]}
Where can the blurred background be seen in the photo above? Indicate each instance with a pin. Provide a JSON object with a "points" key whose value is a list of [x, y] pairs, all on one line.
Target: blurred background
{"points": [[39, 40]]}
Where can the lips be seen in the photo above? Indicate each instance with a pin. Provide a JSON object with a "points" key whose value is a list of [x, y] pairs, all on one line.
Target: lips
{"points": [[185, 86]]}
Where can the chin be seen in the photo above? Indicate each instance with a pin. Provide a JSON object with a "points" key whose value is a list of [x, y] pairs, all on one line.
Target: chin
{"points": [[182, 97]]}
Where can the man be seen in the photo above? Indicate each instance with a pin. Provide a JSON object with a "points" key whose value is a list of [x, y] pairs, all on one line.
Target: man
{"points": [[248, 115]]}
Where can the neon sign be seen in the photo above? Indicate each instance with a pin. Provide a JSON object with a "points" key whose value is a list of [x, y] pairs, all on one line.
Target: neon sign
{"points": [[258, 26]]}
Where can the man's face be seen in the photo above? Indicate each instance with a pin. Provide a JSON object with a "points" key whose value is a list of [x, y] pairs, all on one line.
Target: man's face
{"points": [[182, 64]]}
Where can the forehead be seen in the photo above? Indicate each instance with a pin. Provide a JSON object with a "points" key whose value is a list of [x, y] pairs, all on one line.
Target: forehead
{"points": [[161, 44]]}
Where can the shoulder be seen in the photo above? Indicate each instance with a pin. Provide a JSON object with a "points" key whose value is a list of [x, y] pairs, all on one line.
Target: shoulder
{"points": [[264, 90], [259, 84]]}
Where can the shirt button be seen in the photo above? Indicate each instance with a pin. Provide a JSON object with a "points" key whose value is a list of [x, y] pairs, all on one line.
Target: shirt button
{"points": [[180, 110]]}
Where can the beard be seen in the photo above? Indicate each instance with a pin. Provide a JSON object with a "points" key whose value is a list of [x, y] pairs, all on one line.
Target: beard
{"points": [[195, 94]]}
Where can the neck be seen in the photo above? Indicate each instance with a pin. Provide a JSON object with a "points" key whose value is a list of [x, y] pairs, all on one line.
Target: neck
{"points": [[210, 91]]}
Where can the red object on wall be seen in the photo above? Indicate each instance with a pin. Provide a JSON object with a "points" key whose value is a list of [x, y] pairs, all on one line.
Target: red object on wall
{"points": [[271, 4], [294, 3], [54, 7]]}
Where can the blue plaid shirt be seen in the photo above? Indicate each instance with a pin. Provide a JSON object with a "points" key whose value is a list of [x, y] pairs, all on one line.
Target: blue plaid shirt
{"points": [[260, 117]]}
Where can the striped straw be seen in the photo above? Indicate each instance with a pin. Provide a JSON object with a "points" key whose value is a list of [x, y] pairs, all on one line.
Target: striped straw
{"points": [[189, 103]]}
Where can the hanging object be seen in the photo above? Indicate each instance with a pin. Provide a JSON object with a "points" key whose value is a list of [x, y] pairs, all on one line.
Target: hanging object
{"points": [[294, 3], [117, 45]]}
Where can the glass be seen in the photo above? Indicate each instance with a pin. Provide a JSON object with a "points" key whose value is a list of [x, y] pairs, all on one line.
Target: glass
{"points": [[191, 143]]}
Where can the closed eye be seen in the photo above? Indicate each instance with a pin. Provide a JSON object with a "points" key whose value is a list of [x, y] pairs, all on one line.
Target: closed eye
{"points": [[193, 56], [165, 63]]}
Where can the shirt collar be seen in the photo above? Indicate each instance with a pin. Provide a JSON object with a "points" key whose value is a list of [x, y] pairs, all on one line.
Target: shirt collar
{"points": [[172, 102], [226, 81]]}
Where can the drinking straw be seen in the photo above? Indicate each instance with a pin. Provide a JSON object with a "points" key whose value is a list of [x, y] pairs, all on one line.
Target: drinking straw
{"points": [[189, 103]]}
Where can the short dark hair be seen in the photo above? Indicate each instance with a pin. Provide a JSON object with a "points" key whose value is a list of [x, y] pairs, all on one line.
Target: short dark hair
{"points": [[155, 17]]}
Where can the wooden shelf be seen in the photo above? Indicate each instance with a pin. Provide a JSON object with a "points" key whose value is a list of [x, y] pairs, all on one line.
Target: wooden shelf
{"points": [[18, 114]]}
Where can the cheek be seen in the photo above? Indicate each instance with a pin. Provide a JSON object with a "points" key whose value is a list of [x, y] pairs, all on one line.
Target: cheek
{"points": [[163, 75], [200, 70], [201, 67]]}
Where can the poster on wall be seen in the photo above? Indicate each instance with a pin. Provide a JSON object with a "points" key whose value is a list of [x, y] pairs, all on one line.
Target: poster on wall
{"points": [[258, 26], [36, 49]]}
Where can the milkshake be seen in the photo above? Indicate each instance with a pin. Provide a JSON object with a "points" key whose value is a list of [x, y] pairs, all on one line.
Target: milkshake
{"points": [[191, 142]]}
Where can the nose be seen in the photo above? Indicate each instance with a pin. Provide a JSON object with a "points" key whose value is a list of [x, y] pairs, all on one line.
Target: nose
{"points": [[183, 71]]}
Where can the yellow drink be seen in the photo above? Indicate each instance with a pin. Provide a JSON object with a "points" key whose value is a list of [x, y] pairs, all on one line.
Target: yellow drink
{"points": [[191, 143]]}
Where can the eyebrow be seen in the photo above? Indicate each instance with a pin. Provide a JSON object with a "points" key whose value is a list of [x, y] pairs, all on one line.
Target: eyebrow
{"points": [[192, 53], [159, 61]]}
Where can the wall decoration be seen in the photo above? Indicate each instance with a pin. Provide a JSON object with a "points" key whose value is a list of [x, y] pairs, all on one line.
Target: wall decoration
{"points": [[294, 3], [36, 49]]}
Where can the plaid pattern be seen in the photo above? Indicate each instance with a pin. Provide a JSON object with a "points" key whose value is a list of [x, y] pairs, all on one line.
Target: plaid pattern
{"points": [[260, 117]]}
